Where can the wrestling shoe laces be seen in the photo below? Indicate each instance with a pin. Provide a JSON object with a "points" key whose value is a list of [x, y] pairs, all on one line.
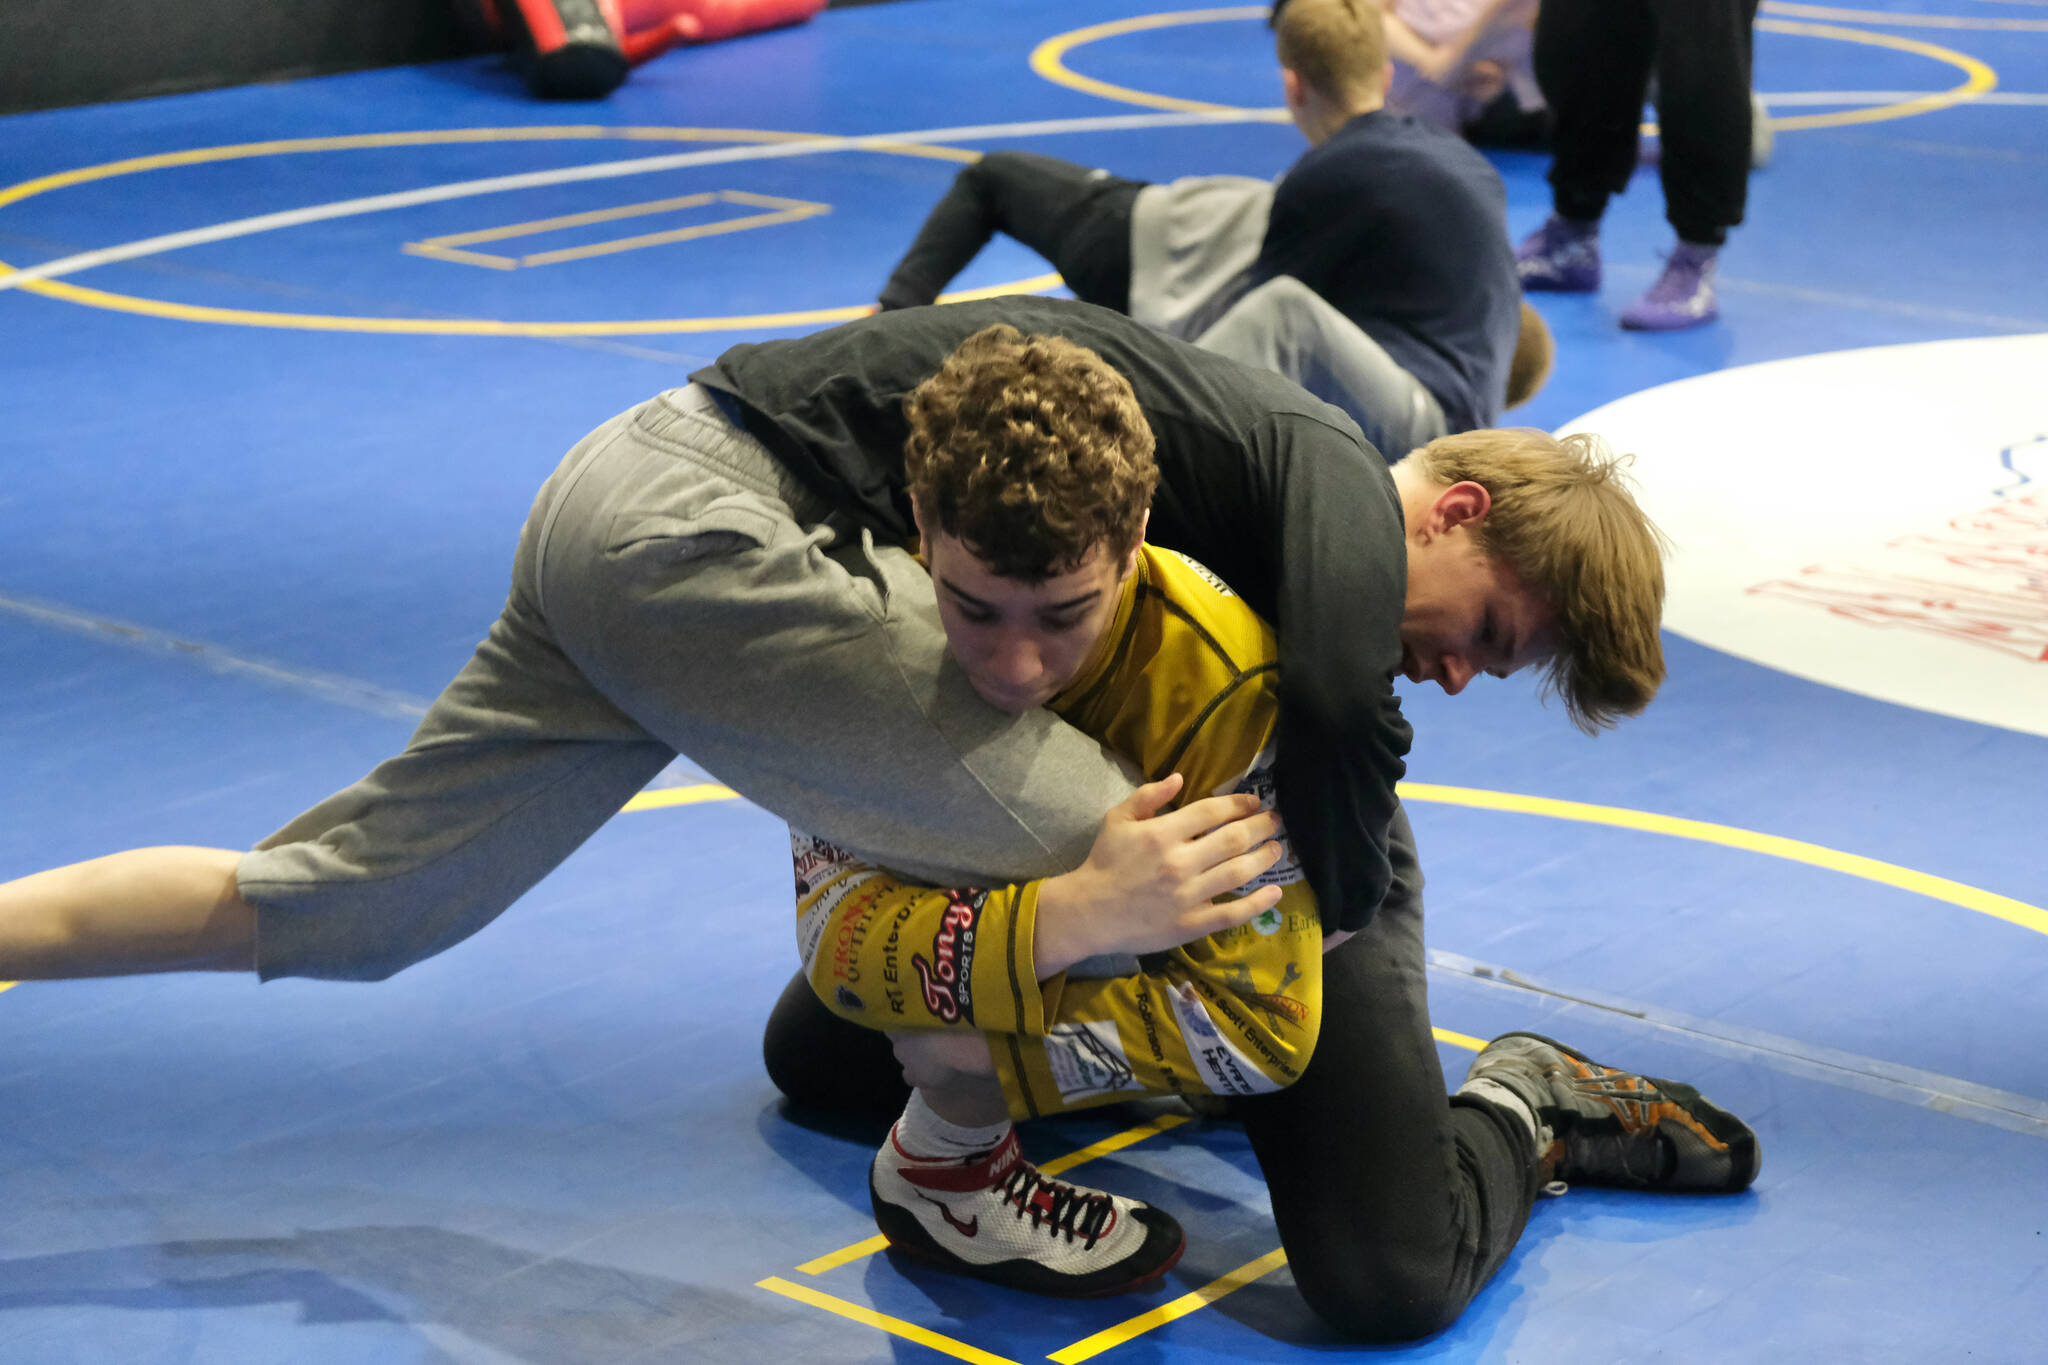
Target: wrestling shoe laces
{"points": [[1604, 1126], [997, 1217]]}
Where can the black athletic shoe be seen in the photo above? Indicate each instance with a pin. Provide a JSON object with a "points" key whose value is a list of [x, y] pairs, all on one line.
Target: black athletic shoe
{"points": [[996, 1217], [1609, 1127]]}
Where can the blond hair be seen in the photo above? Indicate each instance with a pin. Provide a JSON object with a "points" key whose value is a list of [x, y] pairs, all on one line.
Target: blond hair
{"points": [[1564, 520], [1031, 450], [1535, 354], [1339, 47]]}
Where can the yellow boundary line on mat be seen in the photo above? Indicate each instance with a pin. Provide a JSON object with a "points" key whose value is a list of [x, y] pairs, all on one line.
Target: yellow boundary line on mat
{"points": [[2015, 912], [1087, 1347], [868, 1317], [1048, 60], [1956, 893], [1873, 16], [320, 322]]}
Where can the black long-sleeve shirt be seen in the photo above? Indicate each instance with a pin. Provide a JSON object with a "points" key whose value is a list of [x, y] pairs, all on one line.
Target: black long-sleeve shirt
{"points": [[1276, 492]]}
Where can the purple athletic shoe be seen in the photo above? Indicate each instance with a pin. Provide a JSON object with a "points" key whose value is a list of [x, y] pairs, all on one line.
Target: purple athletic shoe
{"points": [[1563, 255], [1682, 297]]}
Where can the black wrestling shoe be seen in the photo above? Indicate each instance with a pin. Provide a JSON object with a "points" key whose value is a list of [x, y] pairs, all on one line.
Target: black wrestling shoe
{"points": [[1607, 1127], [996, 1217]]}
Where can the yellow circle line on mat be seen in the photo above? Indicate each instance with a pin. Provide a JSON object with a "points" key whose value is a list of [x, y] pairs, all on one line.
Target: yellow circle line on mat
{"points": [[318, 322], [1990, 903], [1977, 77], [1048, 60], [1729, 836], [1873, 16]]}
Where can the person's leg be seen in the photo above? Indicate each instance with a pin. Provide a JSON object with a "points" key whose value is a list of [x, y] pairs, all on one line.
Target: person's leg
{"points": [[664, 591], [1075, 217], [513, 766], [822, 1062], [803, 665], [1592, 60], [1395, 1203], [1704, 111], [949, 1184], [1704, 114], [1287, 328]]}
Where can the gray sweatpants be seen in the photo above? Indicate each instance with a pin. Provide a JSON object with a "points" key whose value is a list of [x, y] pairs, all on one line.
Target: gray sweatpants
{"points": [[676, 590]]}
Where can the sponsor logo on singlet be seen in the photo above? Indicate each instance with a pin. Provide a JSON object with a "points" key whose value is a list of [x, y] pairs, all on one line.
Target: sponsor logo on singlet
{"points": [[1258, 781], [816, 862], [946, 978], [1225, 1069], [1087, 1059], [1203, 572]]}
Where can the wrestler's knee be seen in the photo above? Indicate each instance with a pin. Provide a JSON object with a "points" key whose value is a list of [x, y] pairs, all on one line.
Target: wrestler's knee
{"points": [[1379, 1299], [822, 1062]]}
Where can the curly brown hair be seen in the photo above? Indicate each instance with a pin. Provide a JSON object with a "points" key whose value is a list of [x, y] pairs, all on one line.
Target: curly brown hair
{"points": [[1031, 450]]}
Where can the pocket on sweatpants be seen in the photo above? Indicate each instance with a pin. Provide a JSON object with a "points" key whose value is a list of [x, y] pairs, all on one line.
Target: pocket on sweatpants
{"points": [[726, 525], [878, 575]]}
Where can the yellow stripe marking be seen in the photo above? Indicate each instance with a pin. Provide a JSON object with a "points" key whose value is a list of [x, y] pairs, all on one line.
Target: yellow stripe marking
{"points": [[314, 322], [688, 234], [1871, 16], [2015, 912], [1115, 1142], [456, 257], [832, 1260], [1046, 58], [868, 1317], [1463, 1040], [438, 137], [1793, 850], [1089, 1347], [471, 327], [1048, 61], [660, 797], [780, 211], [1978, 78]]}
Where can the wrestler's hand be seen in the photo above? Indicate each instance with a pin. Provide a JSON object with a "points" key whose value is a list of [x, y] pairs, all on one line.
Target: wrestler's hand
{"points": [[1151, 880]]}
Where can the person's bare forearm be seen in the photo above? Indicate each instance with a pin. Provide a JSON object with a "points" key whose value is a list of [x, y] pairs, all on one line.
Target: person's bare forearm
{"points": [[1151, 880], [1437, 61], [146, 910]]}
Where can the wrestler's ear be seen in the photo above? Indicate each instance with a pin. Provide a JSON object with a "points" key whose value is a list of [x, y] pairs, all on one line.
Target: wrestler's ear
{"points": [[1131, 559], [1290, 87], [1462, 504]]}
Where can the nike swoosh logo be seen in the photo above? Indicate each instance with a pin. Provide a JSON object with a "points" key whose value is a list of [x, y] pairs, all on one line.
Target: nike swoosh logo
{"points": [[966, 1229]]}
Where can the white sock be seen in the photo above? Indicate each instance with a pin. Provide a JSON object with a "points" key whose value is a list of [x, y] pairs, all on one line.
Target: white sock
{"points": [[1498, 1095], [923, 1133]]}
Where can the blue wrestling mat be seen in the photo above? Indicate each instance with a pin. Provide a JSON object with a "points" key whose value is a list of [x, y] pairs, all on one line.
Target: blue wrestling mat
{"points": [[281, 368]]}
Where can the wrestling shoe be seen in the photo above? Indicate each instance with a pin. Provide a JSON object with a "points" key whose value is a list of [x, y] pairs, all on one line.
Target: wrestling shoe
{"points": [[996, 1217], [1600, 1126], [1683, 295], [1562, 256]]}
